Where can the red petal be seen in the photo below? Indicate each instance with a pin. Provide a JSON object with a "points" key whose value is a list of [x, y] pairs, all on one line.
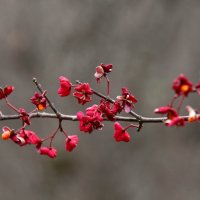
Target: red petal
{"points": [[71, 142], [65, 86], [8, 90]]}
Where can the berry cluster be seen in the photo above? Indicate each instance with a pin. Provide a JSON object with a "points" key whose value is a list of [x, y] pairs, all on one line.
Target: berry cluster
{"points": [[182, 88], [94, 116]]}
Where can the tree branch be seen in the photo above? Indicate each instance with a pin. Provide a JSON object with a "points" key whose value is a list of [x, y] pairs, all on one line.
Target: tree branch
{"points": [[74, 117]]}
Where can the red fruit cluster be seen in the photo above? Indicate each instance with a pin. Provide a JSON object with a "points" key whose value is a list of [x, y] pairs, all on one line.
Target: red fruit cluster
{"points": [[39, 101], [102, 70], [65, 86], [127, 100], [4, 92], [83, 91], [91, 120], [95, 114], [172, 116], [182, 87], [71, 142], [21, 137], [120, 134]]}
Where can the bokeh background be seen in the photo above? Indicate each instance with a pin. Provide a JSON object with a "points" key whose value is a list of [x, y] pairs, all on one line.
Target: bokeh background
{"points": [[149, 42]]}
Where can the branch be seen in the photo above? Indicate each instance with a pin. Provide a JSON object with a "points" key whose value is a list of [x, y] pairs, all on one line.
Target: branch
{"points": [[55, 110], [74, 117], [92, 119]]}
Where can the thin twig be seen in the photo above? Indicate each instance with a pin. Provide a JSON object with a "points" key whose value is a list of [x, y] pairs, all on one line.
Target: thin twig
{"points": [[55, 110]]}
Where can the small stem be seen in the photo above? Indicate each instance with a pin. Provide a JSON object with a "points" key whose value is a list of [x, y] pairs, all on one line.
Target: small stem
{"points": [[65, 133], [108, 85], [172, 101], [11, 106], [74, 85], [60, 125], [131, 125], [52, 136], [140, 126], [35, 110], [180, 103], [46, 138], [49, 102]]}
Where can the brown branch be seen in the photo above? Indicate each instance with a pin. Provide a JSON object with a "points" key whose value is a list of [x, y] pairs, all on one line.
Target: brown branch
{"points": [[55, 110], [74, 117]]}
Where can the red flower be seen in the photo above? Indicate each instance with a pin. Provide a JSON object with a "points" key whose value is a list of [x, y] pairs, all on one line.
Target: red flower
{"points": [[175, 121], [120, 134], [102, 70], [106, 110], [6, 91], [71, 142], [30, 137], [65, 86], [172, 115], [182, 86], [166, 110], [24, 137], [49, 151], [127, 100], [40, 101], [92, 119], [24, 116], [109, 111], [83, 93], [117, 107]]}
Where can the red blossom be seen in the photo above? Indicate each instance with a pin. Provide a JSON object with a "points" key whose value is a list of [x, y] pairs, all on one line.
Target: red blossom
{"points": [[24, 137], [40, 101], [49, 151], [83, 93], [65, 86], [175, 121], [117, 107], [120, 134], [166, 110], [4, 92], [30, 137], [24, 116], [182, 85], [172, 116], [127, 100], [92, 119], [71, 142], [102, 70], [108, 110]]}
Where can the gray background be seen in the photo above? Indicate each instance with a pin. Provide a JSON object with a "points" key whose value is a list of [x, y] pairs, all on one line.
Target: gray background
{"points": [[149, 42]]}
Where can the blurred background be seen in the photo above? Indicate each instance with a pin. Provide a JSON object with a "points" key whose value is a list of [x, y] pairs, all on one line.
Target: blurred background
{"points": [[149, 42]]}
